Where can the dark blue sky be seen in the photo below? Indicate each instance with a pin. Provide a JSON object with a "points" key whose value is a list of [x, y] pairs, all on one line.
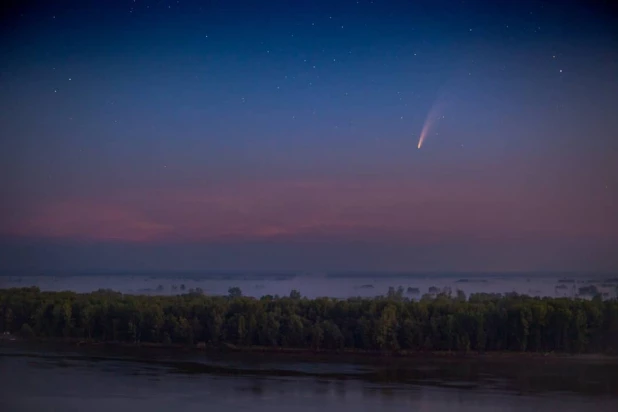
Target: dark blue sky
{"points": [[283, 135]]}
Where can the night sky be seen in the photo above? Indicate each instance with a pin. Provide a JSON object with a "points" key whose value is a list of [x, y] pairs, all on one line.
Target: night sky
{"points": [[283, 135]]}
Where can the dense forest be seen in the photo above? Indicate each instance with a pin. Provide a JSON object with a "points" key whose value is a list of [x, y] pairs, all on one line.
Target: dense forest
{"points": [[484, 322]]}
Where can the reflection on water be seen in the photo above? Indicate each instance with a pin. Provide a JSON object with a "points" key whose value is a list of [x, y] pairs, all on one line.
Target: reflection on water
{"points": [[37, 380]]}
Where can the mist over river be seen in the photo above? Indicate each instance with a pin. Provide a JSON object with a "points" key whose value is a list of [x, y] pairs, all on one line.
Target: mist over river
{"points": [[339, 285]]}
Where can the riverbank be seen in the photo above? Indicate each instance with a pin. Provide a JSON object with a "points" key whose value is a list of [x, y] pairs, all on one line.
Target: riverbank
{"points": [[294, 354]]}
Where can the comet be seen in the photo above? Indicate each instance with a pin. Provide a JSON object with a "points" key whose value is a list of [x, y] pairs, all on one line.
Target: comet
{"points": [[432, 117]]}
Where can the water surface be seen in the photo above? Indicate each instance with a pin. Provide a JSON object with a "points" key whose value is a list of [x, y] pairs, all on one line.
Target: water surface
{"points": [[36, 379]]}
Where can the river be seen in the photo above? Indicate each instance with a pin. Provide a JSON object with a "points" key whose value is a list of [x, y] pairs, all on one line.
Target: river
{"points": [[52, 379]]}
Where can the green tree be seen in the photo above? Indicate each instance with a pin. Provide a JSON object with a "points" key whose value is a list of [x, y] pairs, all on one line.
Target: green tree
{"points": [[26, 331], [234, 292], [386, 329], [8, 319]]}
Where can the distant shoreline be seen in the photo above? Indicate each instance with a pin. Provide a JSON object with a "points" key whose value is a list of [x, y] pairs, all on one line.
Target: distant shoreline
{"points": [[329, 274]]}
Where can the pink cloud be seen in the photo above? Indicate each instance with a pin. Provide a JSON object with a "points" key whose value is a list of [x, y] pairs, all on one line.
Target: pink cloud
{"points": [[408, 209]]}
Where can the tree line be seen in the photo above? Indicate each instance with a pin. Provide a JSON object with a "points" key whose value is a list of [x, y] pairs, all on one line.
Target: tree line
{"points": [[483, 322]]}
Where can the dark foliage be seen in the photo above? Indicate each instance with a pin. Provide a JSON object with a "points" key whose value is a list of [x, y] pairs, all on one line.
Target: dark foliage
{"points": [[484, 322]]}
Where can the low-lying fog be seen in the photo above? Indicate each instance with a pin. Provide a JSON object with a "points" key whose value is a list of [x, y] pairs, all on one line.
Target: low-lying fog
{"points": [[332, 285]]}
